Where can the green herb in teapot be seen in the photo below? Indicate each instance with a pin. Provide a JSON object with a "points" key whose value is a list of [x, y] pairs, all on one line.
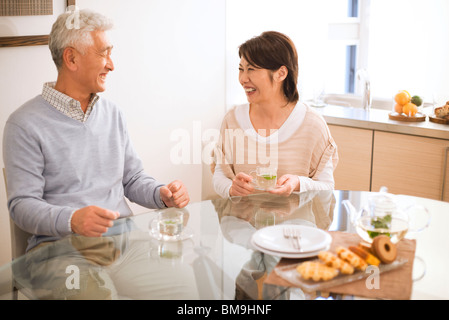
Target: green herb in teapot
{"points": [[380, 223], [394, 227]]}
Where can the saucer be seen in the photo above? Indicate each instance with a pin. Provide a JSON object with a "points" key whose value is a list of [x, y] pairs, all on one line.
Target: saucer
{"points": [[263, 189], [186, 233]]}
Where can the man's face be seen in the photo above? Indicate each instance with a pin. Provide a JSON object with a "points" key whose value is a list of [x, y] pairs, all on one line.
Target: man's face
{"points": [[95, 64]]}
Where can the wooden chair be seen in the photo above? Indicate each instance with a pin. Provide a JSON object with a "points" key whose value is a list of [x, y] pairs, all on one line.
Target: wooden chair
{"points": [[19, 243]]}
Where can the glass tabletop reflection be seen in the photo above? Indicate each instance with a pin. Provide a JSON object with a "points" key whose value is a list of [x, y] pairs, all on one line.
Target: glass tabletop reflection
{"points": [[213, 259]]}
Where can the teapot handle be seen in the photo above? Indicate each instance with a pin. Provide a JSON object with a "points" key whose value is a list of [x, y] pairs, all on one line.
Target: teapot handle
{"points": [[350, 210], [419, 218]]}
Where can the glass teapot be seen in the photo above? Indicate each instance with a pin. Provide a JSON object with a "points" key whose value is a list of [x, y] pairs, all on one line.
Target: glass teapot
{"points": [[382, 215]]}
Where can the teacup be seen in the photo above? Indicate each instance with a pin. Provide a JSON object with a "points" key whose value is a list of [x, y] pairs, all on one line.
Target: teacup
{"points": [[264, 178], [170, 223], [170, 249]]}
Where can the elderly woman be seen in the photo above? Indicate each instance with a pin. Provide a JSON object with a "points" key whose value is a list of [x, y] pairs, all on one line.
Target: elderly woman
{"points": [[274, 128]]}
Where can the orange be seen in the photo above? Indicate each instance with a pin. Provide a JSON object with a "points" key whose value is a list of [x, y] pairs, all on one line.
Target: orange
{"points": [[410, 109], [402, 97], [398, 108]]}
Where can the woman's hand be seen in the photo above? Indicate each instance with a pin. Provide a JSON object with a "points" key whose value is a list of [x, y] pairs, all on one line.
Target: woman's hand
{"points": [[241, 185], [286, 185]]}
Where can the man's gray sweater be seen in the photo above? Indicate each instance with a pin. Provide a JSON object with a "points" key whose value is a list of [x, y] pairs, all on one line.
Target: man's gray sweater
{"points": [[55, 165]]}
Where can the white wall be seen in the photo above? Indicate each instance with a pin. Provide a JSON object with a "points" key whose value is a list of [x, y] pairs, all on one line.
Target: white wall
{"points": [[169, 76]]}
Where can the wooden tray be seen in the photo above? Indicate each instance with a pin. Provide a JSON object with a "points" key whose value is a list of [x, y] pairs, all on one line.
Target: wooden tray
{"points": [[400, 117], [438, 120], [394, 284], [289, 273]]}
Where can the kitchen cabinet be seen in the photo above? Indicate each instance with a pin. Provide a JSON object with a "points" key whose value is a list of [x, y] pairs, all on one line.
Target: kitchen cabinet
{"points": [[411, 165], [355, 147], [405, 164], [409, 158]]}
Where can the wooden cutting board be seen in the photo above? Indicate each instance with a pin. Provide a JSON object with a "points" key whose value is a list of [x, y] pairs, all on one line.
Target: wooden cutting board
{"points": [[395, 284], [434, 118], [438, 120], [400, 117]]}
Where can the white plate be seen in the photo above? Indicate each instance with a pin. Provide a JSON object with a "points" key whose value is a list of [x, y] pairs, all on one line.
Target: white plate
{"points": [[289, 255], [186, 233], [272, 238]]}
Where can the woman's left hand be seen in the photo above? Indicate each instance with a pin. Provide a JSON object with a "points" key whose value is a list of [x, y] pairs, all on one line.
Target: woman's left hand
{"points": [[286, 185]]}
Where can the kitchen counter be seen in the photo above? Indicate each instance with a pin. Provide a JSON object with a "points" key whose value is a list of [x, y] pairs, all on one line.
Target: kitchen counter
{"points": [[377, 119]]}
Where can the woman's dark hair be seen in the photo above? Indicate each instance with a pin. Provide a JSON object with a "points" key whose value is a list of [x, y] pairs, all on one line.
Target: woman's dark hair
{"points": [[272, 50]]}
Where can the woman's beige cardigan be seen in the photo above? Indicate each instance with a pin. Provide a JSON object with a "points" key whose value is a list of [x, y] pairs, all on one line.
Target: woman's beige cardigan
{"points": [[305, 153]]}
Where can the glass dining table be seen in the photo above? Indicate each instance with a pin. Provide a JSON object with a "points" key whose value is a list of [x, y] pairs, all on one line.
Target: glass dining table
{"points": [[215, 257]]}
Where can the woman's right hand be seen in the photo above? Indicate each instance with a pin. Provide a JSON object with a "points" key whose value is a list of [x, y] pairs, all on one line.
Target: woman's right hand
{"points": [[241, 185]]}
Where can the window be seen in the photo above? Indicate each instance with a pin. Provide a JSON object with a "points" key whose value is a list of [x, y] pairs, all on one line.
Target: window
{"points": [[408, 48], [344, 40], [351, 50], [350, 68], [402, 44]]}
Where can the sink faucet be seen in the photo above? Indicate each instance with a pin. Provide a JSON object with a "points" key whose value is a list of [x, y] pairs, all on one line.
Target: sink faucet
{"points": [[362, 75]]}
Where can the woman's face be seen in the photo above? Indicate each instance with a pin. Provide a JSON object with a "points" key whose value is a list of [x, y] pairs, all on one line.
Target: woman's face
{"points": [[258, 83]]}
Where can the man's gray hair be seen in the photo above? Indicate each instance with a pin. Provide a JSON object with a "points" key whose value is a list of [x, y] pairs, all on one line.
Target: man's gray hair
{"points": [[72, 29]]}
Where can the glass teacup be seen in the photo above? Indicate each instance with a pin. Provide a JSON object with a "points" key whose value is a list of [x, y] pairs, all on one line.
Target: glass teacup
{"points": [[170, 223], [264, 178]]}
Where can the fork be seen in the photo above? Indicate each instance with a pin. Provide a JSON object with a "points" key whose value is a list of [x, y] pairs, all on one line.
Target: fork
{"points": [[291, 234], [297, 237], [286, 233]]}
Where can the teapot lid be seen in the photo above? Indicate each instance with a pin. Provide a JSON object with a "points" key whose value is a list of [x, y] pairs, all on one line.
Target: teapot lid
{"points": [[382, 203]]}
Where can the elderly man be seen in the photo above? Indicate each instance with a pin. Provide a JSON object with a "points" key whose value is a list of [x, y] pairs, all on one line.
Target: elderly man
{"points": [[68, 157], [70, 166]]}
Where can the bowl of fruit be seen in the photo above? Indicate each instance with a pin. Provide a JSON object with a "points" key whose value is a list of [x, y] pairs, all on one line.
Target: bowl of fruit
{"points": [[407, 107]]}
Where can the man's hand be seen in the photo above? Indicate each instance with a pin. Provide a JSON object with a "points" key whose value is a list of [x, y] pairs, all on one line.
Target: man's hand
{"points": [[92, 221], [175, 194]]}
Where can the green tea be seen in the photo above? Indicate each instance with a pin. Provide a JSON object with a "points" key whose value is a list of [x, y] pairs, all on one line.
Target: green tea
{"points": [[266, 181], [170, 227], [368, 228]]}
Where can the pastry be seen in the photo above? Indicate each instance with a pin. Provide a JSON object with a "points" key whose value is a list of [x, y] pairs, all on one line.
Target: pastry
{"points": [[365, 255], [366, 246], [332, 260], [350, 257], [316, 271], [443, 112], [384, 249]]}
